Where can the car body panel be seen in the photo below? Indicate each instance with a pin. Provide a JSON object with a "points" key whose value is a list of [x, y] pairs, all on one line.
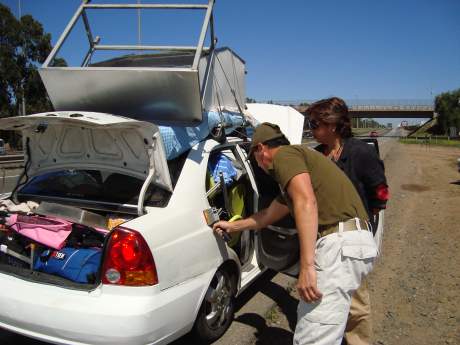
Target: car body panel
{"points": [[178, 233], [107, 315]]}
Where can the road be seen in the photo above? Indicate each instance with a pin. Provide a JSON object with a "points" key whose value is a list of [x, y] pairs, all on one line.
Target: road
{"points": [[8, 180], [255, 307]]}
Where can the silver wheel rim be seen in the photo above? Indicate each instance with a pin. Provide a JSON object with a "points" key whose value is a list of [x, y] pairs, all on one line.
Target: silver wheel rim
{"points": [[218, 301]]}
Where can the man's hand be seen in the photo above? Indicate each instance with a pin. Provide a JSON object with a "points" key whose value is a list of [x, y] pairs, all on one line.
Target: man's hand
{"points": [[306, 285], [222, 226]]}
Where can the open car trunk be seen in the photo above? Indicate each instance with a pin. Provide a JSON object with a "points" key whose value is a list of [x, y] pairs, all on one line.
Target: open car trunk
{"points": [[59, 250], [85, 173]]}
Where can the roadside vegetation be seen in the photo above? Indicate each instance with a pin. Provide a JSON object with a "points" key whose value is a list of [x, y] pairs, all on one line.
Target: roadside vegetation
{"points": [[24, 45], [447, 106], [431, 140]]}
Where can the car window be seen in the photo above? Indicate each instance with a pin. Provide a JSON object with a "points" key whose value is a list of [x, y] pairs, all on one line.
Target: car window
{"points": [[94, 185]]}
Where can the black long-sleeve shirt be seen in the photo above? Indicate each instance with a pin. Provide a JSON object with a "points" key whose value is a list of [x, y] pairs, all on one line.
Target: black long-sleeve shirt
{"points": [[365, 169]]}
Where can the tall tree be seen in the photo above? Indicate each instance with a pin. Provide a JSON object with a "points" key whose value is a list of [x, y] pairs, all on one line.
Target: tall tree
{"points": [[23, 47], [447, 105]]}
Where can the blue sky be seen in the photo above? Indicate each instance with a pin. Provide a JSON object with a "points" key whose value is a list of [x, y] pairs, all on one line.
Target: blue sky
{"points": [[305, 49]]}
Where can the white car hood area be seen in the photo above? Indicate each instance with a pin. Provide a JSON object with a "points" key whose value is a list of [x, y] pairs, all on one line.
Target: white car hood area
{"points": [[87, 140]]}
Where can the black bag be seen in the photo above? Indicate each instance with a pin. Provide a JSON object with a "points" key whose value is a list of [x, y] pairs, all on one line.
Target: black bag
{"points": [[83, 236]]}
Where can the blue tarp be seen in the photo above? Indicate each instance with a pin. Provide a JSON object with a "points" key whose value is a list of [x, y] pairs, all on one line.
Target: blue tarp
{"points": [[221, 164], [178, 139]]}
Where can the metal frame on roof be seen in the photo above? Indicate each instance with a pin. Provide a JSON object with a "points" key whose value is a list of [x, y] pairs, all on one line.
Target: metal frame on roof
{"points": [[208, 22], [172, 85]]}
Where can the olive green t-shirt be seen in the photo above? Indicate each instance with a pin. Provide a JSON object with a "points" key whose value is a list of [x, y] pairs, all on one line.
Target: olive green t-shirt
{"points": [[336, 197]]}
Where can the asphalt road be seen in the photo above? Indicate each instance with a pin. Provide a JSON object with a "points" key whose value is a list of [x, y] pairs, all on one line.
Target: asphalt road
{"points": [[253, 305], [7, 183]]}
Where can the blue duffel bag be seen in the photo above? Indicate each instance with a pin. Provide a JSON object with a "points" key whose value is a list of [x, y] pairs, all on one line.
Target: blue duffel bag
{"points": [[78, 265]]}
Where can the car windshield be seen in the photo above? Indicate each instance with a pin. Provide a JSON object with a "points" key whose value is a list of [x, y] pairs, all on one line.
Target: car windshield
{"points": [[96, 185]]}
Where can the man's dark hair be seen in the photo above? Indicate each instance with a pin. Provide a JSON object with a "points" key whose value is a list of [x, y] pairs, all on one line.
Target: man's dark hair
{"points": [[334, 111]]}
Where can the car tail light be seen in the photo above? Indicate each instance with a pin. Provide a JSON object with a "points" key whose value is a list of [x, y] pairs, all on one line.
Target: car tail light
{"points": [[128, 260]]}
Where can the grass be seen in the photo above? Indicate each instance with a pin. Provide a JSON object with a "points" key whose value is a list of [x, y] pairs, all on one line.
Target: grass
{"points": [[431, 141], [273, 315]]}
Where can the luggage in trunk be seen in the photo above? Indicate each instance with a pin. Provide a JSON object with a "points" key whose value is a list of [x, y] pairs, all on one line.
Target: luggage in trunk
{"points": [[52, 249]]}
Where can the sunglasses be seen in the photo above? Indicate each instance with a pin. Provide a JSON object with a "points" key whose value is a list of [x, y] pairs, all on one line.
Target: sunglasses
{"points": [[314, 124]]}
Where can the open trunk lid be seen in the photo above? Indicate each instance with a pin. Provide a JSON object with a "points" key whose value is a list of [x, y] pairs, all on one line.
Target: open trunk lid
{"points": [[84, 140]]}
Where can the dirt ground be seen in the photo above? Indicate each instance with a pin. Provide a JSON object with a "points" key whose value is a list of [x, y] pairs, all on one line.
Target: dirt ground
{"points": [[415, 286], [416, 283]]}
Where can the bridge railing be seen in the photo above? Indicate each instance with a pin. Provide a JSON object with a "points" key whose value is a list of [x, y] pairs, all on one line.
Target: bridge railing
{"points": [[391, 107], [375, 104]]}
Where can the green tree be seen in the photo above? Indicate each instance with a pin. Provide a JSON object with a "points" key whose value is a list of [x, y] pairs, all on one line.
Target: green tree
{"points": [[447, 105], [23, 47]]}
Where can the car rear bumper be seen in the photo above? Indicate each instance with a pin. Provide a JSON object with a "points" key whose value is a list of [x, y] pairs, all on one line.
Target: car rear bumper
{"points": [[107, 315]]}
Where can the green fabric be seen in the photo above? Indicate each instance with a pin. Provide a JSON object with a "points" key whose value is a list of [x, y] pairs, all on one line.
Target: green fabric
{"points": [[236, 199], [336, 197]]}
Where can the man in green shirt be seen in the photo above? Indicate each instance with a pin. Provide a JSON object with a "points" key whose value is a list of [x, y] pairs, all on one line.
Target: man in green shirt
{"points": [[336, 248]]}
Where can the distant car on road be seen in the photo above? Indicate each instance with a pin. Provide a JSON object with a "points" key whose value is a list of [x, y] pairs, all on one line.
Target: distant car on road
{"points": [[2, 147], [373, 134]]}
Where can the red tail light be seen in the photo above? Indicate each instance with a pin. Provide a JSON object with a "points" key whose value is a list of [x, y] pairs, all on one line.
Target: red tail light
{"points": [[128, 260]]}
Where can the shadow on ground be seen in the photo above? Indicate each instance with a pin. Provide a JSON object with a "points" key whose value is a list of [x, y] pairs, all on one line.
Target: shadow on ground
{"points": [[265, 332]]}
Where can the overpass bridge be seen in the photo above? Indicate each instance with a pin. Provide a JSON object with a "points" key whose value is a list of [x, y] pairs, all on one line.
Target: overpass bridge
{"points": [[418, 108]]}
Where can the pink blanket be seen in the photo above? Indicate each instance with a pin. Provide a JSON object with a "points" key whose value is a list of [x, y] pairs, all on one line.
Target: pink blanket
{"points": [[49, 231]]}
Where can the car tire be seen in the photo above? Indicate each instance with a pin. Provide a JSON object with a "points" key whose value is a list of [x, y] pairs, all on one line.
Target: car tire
{"points": [[217, 309]]}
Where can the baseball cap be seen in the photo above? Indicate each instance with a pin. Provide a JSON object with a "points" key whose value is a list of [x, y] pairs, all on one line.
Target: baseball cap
{"points": [[263, 133]]}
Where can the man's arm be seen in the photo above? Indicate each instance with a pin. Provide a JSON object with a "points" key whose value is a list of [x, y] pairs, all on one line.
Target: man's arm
{"points": [[257, 221], [306, 217]]}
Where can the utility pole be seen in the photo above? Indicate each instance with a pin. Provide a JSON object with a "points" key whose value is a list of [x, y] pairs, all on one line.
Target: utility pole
{"points": [[139, 23], [23, 98]]}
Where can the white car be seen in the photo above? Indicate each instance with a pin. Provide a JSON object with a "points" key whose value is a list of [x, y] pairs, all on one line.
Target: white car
{"points": [[163, 271]]}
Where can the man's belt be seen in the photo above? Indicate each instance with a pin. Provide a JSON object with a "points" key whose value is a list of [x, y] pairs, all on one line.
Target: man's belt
{"points": [[349, 225]]}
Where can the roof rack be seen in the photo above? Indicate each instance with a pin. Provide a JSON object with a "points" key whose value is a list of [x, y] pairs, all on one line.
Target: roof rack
{"points": [[175, 84]]}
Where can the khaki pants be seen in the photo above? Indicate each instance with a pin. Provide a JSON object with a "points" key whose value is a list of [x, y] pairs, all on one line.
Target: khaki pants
{"points": [[359, 324], [342, 260]]}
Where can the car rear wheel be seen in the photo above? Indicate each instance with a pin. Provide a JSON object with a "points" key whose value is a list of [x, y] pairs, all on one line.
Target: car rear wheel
{"points": [[218, 308]]}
